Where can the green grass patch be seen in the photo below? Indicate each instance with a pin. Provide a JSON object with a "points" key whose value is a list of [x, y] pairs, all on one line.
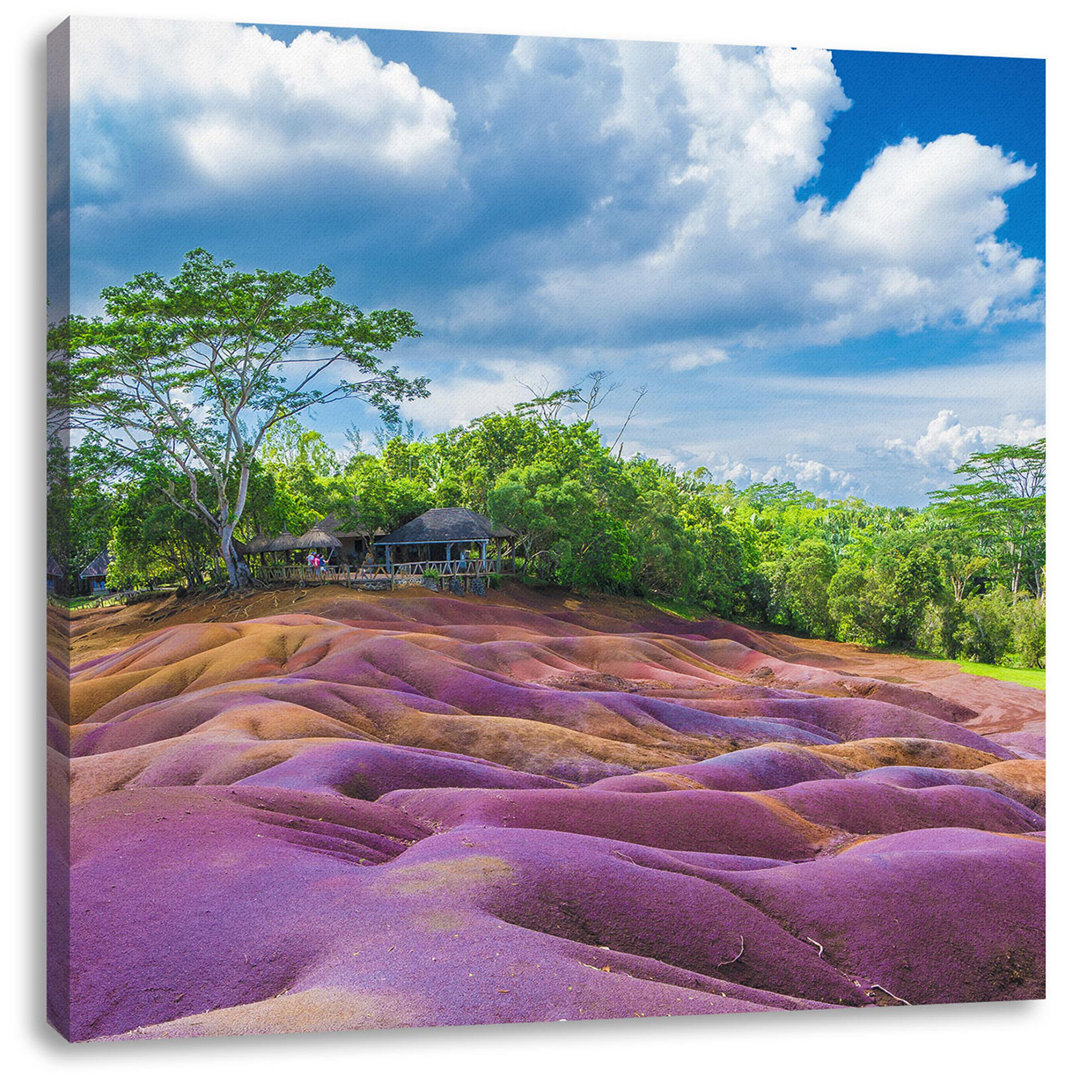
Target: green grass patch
{"points": [[681, 609], [73, 603], [1035, 677]]}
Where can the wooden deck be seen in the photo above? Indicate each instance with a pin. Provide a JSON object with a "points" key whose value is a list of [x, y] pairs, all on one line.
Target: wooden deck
{"points": [[398, 575]]}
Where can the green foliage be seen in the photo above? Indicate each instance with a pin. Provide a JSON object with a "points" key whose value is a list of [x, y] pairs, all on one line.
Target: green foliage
{"points": [[1029, 631], [801, 586], [78, 508], [1003, 502], [153, 541], [948, 580], [192, 374], [879, 595], [986, 633], [937, 630], [567, 536], [723, 576]]}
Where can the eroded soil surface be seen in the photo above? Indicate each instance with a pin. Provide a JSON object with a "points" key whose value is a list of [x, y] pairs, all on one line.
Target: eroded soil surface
{"points": [[324, 810]]}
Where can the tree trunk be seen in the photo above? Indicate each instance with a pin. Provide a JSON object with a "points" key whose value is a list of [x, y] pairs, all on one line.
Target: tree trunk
{"points": [[239, 575]]}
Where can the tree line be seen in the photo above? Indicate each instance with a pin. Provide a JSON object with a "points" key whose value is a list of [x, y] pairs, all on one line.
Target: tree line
{"points": [[187, 396], [963, 577]]}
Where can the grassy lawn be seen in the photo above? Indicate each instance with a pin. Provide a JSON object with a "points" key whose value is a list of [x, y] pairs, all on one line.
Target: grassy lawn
{"points": [[1035, 677], [73, 603]]}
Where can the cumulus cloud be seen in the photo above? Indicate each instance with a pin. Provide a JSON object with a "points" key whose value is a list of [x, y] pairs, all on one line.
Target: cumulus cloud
{"points": [[816, 476], [741, 253], [914, 244], [947, 443], [198, 105], [637, 206], [806, 473], [485, 387]]}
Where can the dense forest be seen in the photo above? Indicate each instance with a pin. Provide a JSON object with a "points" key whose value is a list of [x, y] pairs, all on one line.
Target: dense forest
{"points": [[187, 396], [963, 577]]}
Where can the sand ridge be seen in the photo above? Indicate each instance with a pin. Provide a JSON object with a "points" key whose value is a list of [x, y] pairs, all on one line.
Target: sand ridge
{"points": [[412, 809]]}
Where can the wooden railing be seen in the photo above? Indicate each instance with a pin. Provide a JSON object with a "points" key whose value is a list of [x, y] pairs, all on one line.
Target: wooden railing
{"points": [[444, 568], [397, 574], [308, 574]]}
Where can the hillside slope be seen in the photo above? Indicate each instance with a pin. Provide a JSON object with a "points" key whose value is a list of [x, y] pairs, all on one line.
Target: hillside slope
{"points": [[324, 810]]}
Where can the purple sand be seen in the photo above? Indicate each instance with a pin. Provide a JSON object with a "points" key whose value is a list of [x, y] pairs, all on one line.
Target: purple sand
{"points": [[284, 828]]}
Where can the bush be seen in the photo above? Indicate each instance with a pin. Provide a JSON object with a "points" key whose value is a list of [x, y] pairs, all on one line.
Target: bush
{"points": [[1029, 632], [986, 633], [938, 628]]}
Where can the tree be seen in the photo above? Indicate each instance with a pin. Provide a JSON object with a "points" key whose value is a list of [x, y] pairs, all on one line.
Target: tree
{"points": [[566, 534], [1004, 502], [153, 540], [880, 593], [194, 372], [77, 511], [805, 573], [986, 632]]}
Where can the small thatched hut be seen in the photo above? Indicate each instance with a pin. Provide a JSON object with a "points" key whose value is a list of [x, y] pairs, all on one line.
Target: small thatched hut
{"points": [[283, 542], [353, 543], [257, 545], [316, 539], [54, 574], [443, 535], [93, 574]]}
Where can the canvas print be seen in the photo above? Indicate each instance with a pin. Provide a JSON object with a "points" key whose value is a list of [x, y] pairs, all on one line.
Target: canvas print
{"points": [[539, 529]]}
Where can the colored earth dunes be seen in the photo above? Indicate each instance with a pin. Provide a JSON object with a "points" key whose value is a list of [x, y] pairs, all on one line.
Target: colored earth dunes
{"points": [[311, 812]]}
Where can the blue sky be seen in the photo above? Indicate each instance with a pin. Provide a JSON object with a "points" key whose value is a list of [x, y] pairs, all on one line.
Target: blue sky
{"points": [[825, 267]]}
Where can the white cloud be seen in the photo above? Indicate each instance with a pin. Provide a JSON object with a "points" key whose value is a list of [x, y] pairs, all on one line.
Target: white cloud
{"points": [[495, 385], [823, 480], [921, 207], [239, 108], [913, 244], [724, 468], [818, 477], [749, 259], [947, 443], [697, 358], [759, 123]]}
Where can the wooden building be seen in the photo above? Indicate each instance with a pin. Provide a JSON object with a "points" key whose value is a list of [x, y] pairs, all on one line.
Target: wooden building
{"points": [[450, 545], [354, 544], [54, 575], [449, 539], [93, 575]]}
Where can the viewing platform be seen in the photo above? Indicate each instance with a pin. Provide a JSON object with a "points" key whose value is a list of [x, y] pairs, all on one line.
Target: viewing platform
{"points": [[437, 575]]}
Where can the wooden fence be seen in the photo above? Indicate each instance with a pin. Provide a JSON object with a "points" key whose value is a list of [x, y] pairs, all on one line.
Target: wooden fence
{"points": [[380, 576], [375, 578]]}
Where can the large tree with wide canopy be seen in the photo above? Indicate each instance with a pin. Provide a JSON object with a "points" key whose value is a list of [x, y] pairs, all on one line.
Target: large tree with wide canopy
{"points": [[184, 378]]}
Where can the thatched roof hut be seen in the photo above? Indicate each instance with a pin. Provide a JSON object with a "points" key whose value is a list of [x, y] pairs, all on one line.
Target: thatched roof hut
{"points": [[97, 567], [336, 527], [256, 545], [317, 538], [447, 525], [283, 542]]}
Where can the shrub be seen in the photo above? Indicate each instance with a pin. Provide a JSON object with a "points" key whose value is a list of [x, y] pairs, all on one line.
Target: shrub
{"points": [[986, 633], [1029, 632], [938, 628]]}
